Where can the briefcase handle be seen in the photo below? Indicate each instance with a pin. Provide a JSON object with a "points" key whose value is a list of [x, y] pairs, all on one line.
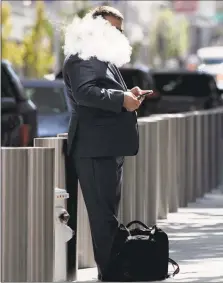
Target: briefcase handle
{"points": [[139, 223]]}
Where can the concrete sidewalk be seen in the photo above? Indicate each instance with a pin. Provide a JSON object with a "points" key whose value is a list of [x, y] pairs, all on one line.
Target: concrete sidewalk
{"points": [[196, 241]]}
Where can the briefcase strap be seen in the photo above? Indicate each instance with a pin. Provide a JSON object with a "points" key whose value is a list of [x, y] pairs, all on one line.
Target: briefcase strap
{"points": [[175, 266], [137, 222]]}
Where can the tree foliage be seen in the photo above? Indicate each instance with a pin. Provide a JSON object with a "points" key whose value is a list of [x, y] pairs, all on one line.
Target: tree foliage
{"points": [[169, 35], [11, 50], [79, 12], [183, 36], [38, 55]]}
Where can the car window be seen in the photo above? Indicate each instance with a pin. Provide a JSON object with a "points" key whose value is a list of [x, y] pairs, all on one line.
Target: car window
{"points": [[138, 78], [194, 85], [16, 83], [7, 90], [131, 80], [212, 61], [48, 100]]}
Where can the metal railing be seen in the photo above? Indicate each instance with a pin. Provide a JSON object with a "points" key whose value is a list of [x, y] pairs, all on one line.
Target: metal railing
{"points": [[180, 159]]}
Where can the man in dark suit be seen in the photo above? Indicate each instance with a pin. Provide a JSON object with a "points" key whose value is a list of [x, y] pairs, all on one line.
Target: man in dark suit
{"points": [[103, 127]]}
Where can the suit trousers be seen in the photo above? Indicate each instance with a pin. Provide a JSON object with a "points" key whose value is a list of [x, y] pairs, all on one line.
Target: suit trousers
{"points": [[100, 180]]}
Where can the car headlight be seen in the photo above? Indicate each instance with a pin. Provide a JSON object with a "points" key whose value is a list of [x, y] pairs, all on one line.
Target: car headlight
{"points": [[219, 77]]}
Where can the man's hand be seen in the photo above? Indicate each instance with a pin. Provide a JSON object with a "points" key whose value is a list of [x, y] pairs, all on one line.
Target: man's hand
{"points": [[131, 103], [137, 91]]}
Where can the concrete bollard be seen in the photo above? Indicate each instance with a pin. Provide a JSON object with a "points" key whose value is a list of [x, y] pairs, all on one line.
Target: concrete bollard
{"points": [[41, 215]]}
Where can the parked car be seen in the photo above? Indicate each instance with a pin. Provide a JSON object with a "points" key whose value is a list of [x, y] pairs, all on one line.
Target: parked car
{"points": [[174, 91], [211, 62], [52, 104], [183, 91], [18, 113], [11, 122]]}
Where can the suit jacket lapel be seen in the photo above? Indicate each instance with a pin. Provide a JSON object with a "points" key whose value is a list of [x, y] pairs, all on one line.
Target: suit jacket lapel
{"points": [[121, 78], [117, 75]]}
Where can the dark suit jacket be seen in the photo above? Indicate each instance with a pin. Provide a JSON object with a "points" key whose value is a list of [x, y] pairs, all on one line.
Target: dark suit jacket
{"points": [[99, 125]]}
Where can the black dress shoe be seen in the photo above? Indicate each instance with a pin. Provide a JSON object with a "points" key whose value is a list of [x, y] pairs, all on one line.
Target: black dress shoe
{"points": [[99, 277]]}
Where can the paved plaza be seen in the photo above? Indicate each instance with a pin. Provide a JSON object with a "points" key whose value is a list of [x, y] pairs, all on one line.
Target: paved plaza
{"points": [[196, 241]]}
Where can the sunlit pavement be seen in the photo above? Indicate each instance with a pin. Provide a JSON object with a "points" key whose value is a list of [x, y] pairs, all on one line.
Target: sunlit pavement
{"points": [[196, 241]]}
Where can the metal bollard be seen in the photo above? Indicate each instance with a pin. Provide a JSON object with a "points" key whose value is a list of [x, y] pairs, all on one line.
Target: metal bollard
{"points": [[214, 149], [129, 190], [84, 240], [209, 149], [194, 168], [60, 175], [198, 154], [28, 206], [172, 168], [203, 145], [190, 158], [180, 159], [206, 152], [121, 208], [14, 211], [162, 165], [219, 146], [151, 194], [141, 174], [57, 143], [40, 203]]}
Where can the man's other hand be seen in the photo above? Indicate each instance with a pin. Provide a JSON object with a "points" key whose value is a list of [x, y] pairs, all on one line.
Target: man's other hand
{"points": [[131, 103]]}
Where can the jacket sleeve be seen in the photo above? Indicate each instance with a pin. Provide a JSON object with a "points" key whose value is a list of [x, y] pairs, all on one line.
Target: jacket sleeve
{"points": [[83, 76]]}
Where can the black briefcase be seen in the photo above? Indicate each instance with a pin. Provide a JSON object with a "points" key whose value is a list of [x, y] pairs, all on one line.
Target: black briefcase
{"points": [[141, 254]]}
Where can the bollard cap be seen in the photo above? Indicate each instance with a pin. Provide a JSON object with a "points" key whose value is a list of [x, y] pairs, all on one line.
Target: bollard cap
{"points": [[61, 194]]}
